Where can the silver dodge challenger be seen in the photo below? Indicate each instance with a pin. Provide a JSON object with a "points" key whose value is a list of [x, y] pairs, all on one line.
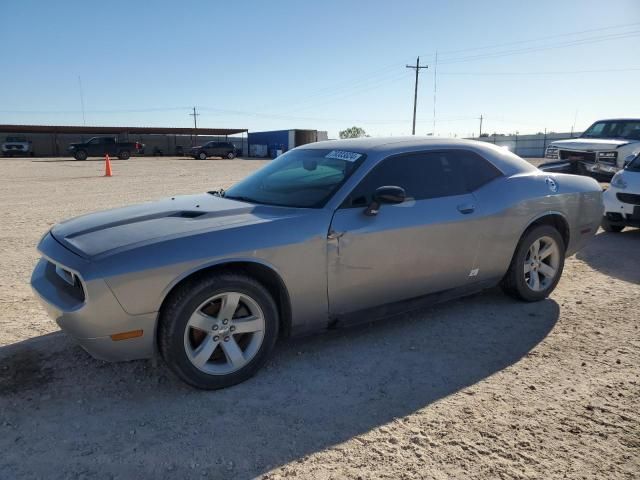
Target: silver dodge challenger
{"points": [[327, 234]]}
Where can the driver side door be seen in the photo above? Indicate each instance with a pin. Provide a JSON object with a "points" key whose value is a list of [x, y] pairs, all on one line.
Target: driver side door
{"points": [[423, 245]]}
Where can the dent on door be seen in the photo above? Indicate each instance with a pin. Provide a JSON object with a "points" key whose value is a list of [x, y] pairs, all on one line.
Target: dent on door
{"points": [[405, 251]]}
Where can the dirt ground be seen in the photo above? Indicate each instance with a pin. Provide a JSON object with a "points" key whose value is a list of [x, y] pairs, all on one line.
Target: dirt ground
{"points": [[483, 387]]}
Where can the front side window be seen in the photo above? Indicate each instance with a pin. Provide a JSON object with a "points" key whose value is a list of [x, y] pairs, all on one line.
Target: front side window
{"points": [[426, 175], [299, 178]]}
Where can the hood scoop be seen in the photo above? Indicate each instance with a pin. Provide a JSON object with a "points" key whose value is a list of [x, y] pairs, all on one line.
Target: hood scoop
{"points": [[188, 214]]}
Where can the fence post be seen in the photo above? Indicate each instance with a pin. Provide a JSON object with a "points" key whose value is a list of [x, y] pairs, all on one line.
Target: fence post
{"points": [[544, 143]]}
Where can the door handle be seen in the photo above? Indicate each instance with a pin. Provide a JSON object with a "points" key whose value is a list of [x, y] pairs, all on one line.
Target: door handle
{"points": [[466, 208]]}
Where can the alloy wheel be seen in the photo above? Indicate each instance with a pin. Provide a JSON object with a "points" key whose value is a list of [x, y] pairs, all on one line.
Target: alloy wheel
{"points": [[541, 264], [224, 333]]}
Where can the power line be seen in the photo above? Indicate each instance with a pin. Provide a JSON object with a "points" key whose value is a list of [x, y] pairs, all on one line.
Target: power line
{"points": [[558, 72], [538, 39], [572, 43]]}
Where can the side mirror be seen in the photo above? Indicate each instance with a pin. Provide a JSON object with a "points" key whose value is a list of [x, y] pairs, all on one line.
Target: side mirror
{"points": [[386, 194]]}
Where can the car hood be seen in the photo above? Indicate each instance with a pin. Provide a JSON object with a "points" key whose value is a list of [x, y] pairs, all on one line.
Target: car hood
{"points": [[591, 143], [114, 230]]}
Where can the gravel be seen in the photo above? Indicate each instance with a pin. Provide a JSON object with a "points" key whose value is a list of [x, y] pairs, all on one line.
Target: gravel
{"points": [[483, 387]]}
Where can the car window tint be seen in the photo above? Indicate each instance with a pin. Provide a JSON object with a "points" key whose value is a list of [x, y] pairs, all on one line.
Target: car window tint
{"points": [[476, 170], [426, 175]]}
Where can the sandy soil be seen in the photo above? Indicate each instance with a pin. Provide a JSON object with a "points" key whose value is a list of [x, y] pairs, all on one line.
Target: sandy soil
{"points": [[483, 387]]}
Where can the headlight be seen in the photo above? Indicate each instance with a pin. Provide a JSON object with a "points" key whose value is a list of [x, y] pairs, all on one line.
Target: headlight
{"points": [[618, 181], [608, 154]]}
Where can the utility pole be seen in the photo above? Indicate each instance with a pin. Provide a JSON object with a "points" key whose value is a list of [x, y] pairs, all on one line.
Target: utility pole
{"points": [[84, 122], [195, 123], [435, 79], [415, 94], [480, 126]]}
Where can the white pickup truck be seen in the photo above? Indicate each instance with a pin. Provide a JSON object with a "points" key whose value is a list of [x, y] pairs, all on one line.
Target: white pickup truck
{"points": [[602, 150]]}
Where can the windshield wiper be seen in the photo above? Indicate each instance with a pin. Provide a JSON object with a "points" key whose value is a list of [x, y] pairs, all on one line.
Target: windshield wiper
{"points": [[241, 198]]}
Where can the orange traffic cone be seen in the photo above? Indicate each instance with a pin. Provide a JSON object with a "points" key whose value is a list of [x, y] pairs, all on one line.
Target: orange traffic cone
{"points": [[107, 166]]}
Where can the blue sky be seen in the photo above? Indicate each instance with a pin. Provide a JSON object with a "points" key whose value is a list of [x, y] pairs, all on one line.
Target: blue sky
{"points": [[322, 65]]}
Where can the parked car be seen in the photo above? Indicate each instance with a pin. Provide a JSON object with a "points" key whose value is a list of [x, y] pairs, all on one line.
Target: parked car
{"points": [[101, 146], [327, 234], [622, 199], [603, 149], [214, 149], [17, 146]]}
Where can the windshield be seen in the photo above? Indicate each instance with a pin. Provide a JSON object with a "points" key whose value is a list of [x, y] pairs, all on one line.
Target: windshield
{"points": [[634, 166], [299, 178], [626, 129]]}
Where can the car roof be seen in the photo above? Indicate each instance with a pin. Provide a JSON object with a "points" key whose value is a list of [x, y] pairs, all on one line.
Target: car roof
{"points": [[618, 120], [506, 161]]}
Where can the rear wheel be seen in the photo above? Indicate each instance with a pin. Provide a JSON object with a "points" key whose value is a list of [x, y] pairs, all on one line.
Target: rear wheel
{"points": [[218, 331], [536, 265], [124, 155], [608, 227], [80, 155], [202, 156]]}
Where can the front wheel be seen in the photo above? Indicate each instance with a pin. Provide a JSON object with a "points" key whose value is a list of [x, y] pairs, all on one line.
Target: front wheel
{"points": [[608, 227], [124, 155], [80, 155], [202, 156], [231, 155], [536, 265], [218, 331]]}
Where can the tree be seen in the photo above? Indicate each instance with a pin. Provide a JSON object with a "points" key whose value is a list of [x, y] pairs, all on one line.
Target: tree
{"points": [[353, 132]]}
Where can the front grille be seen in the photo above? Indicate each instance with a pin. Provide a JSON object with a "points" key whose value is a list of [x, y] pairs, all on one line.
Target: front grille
{"points": [[552, 152], [578, 156], [632, 198], [70, 284]]}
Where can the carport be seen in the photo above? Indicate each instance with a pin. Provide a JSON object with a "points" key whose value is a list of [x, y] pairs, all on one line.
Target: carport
{"points": [[52, 140]]}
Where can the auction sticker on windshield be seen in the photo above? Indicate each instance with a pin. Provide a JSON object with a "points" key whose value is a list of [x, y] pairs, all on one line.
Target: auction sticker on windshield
{"points": [[343, 155]]}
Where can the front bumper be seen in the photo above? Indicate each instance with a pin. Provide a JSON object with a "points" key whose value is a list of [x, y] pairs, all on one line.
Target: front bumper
{"points": [[618, 212], [92, 316]]}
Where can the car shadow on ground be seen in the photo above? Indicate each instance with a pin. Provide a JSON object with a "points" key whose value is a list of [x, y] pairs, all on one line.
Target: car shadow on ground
{"points": [[614, 254], [63, 412]]}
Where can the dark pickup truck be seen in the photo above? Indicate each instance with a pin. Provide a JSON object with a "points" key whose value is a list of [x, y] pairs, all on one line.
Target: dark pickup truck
{"points": [[101, 146]]}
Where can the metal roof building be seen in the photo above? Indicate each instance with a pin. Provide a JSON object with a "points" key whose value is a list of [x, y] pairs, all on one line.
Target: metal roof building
{"points": [[52, 140]]}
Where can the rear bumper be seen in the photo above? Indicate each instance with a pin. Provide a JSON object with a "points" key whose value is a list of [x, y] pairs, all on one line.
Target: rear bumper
{"points": [[93, 317]]}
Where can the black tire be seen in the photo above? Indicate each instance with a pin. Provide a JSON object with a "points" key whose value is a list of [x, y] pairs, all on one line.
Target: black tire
{"points": [[608, 227], [231, 155], [202, 155], [80, 155], [514, 283], [185, 300], [124, 155]]}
